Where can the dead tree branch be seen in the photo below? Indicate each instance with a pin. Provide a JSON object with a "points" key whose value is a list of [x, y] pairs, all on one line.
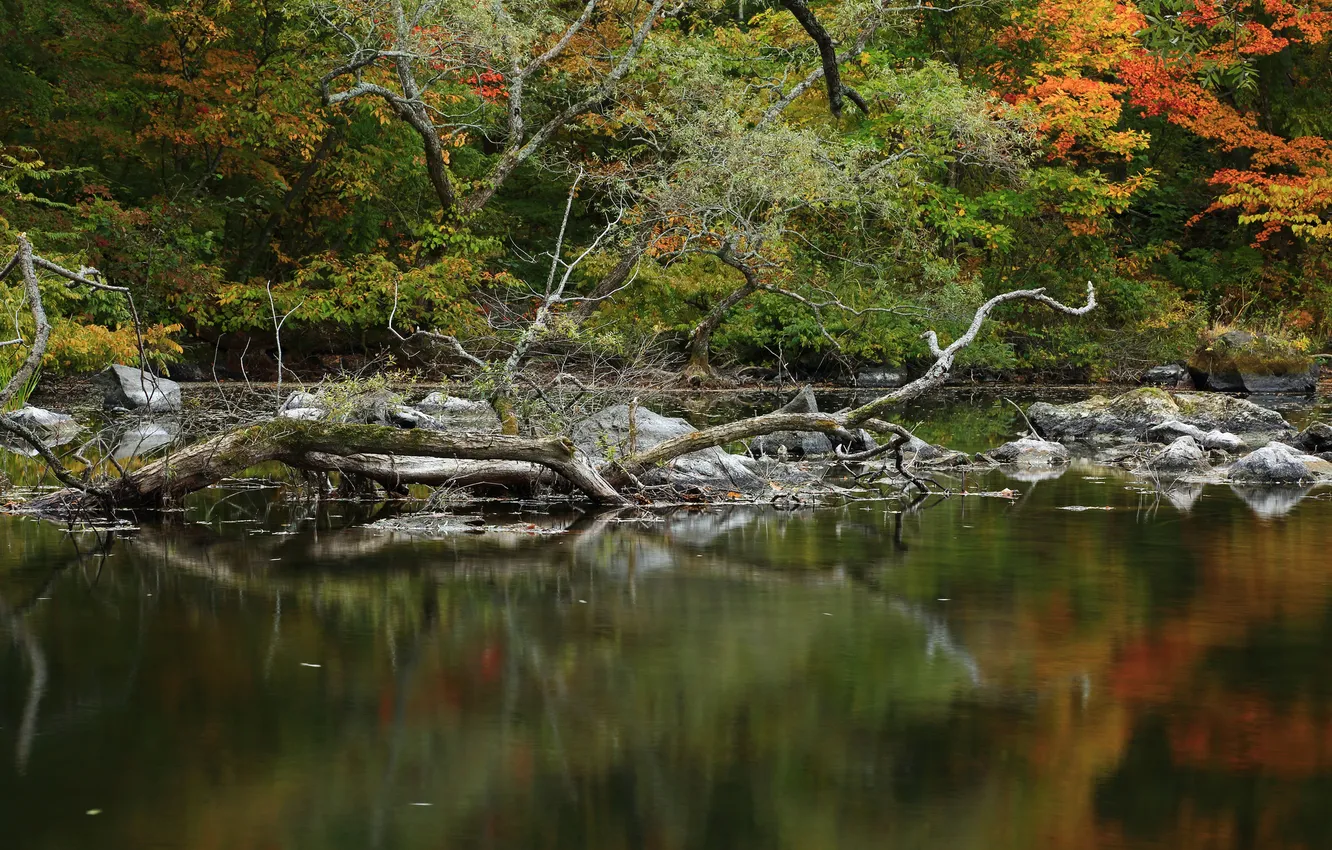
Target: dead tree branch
{"points": [[842, 423]]}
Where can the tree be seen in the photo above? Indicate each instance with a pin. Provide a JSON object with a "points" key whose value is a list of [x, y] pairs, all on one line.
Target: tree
{"points": [[420, 57]]}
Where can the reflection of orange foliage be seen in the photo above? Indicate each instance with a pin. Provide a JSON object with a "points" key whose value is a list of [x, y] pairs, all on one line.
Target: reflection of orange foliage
{"points": [[1245, 732]]}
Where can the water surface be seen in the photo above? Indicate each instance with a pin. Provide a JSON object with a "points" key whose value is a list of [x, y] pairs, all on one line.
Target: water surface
{"points": [[1146, 671]]}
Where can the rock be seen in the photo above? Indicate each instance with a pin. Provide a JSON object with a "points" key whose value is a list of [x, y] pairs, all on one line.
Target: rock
{"points": [[450, 413], [802, 402], [1030, 453], [187, 372], [795, 444], [1131, 416], [1169, 375], [938, 457], [605, 435], [144, 438], [1315, 439], [1223, 441], [303, 414], [130, 388], [301, 400], [1302, 383], [1272, 464], [1240, 361], [881, 378], [1183, 455], [1173, 429], [54, 429]]}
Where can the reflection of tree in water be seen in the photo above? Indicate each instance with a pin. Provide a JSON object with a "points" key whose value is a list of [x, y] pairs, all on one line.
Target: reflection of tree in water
{"points": [[483, 685], [741, 678]]}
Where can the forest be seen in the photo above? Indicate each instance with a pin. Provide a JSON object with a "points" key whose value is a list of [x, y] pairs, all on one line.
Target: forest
{"points": [[802, 187]]}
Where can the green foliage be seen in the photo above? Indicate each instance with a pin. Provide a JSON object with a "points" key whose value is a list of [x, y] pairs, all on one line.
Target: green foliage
{"points": [[183, 150]]}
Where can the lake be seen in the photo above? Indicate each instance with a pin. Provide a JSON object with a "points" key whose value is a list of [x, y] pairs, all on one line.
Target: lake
{"points": [[1089, 664]]}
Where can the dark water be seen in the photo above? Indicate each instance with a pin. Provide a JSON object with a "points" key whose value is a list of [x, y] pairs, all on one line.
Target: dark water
{"points": [[974, 673]]}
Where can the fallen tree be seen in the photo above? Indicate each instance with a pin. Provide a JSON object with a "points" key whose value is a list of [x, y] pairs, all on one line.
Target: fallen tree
{"points": [[395, 457]]}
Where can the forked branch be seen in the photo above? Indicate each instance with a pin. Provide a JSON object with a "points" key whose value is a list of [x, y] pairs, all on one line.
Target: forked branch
{"points": [[844, 422]]}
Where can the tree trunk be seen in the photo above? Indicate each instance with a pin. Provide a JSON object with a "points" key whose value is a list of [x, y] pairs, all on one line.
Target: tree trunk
{"points": [[700, 338], [619, 273]]}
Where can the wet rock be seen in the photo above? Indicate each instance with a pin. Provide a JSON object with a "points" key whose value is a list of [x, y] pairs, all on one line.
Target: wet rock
{"points": [[303, 407], [1272, 464], [1301, 383], [881, 378], [802, 402], [795, 444], [1165, 376], [450, 413], [304, 414], [54, 429], [187, 372], [130, 388], [1030, 453], [1183, 455], [1315, 439], [300, 399], [1240, 361], [1169, 431], [1104, 421], [606, 435]]}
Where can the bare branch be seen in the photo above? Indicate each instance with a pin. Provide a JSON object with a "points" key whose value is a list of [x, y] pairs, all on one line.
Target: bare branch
{"points": [[836, 423]]}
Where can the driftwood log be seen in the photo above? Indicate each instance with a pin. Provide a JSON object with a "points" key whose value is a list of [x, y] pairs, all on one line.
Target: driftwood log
{"points": [[391, 456]]}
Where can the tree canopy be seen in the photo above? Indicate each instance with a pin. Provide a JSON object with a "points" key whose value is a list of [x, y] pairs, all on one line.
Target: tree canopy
{"points": [[792, 183]]}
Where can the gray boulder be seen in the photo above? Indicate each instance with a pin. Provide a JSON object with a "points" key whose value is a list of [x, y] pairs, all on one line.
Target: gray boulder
{"points": [[796, 444], [1168, 432], [1272, 464], [881, 378], [1300, 382], [300, 399], [1105, 421], [186, 372], [130, 388], [1165, 376], [1240, 361], [1223, 441], [606, 435], [303, 407], [303, 414], [1316, 439], [450, 413], [1030, 453], [1183, 455]]}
